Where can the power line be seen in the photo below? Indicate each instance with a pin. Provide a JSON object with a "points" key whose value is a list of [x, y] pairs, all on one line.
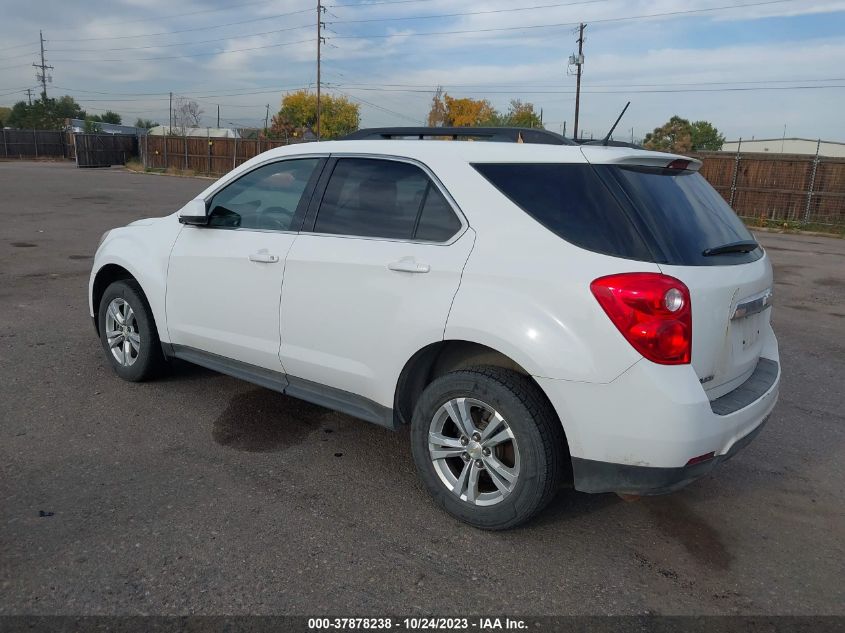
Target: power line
{"points": [[179, 15], [211, 54], [599, 92], [429, 88], [8, 48], [216, 39], [468, 13], [562, 24], [368, 4], [378, 107], [198, 28]]}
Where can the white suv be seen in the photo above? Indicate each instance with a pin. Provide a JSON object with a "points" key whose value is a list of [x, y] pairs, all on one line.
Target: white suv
{"points": [[538, 314]]}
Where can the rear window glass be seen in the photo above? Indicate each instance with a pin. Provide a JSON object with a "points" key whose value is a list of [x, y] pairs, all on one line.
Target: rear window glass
{"points": [[683, 214], [649, 214], [571, 201]]}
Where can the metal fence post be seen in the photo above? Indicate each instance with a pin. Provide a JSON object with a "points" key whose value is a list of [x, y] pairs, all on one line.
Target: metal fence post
{"points": [[736, 172], [812, 182], [35, 139], [5, 146]]}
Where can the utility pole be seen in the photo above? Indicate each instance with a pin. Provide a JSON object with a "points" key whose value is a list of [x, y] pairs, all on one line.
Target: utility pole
{"points": [[320, 26], [218, 115], [170, 126], [42, 76], [29, 95], [266, 117], [579, 62]]}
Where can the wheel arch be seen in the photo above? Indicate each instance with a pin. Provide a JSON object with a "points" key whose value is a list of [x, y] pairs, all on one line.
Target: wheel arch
{"points": [[442, 357], [106, 276]]}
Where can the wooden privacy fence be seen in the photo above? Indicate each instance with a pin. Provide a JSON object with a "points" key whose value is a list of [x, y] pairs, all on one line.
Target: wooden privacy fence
{"points": [[104, 150], [778, 188], [201, 154], [22, 144]]}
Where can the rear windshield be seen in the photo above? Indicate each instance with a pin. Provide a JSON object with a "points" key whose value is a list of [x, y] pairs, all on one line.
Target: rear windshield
{"points": [[655, 215], [684, 215]]}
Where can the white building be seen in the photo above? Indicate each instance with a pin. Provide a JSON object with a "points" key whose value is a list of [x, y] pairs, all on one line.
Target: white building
{"points": [[787, 146], [205, 132]]}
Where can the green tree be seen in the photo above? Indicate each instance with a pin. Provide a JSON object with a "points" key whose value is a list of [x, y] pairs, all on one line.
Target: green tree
{"points": [[107, 117], [4, 114], [673, 136], [522, 115], [91, 126], [43, 114], [298, 112], [705, 137], [680, 136]]}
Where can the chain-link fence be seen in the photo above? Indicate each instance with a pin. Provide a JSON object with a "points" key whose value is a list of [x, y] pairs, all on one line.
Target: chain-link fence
{"points": [[798, 191]]}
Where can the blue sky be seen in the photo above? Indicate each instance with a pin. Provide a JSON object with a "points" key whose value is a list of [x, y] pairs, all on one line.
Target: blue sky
{"points": [[719, 63]]}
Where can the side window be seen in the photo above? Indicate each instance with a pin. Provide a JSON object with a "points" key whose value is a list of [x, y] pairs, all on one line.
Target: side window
{"points": [[265, 198], [384, 198], [438, 221]]}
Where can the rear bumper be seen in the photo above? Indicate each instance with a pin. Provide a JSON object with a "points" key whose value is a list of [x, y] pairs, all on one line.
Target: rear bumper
{"points": [[638, 433], [593, 476]]}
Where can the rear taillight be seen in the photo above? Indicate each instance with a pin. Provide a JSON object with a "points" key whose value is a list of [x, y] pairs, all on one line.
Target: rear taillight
{"points": [[652, 311]]}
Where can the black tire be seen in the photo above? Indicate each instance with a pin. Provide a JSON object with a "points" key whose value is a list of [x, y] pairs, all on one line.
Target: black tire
{"points": [[149, 360], [536, 430]]}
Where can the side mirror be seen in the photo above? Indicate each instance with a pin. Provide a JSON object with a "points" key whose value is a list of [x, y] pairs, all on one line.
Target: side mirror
{"points": [[194, 213]]}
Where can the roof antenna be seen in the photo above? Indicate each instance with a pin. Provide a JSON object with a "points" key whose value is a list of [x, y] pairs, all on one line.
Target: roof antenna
{"points": [[607, 138]]}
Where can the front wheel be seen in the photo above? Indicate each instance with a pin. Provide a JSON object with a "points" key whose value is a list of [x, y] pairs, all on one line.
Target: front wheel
{"points": [[488, 446], [128, 332]]}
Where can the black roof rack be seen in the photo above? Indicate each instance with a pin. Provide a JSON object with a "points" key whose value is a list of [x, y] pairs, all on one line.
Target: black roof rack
{"points": [[497, 134]]}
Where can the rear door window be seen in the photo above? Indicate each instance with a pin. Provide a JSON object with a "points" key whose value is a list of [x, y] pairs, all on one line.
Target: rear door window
{"points": [[385, 199], [571, 201]]}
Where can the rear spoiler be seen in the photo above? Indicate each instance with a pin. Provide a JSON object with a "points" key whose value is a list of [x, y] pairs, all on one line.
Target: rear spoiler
{"points": [[599, 155]]}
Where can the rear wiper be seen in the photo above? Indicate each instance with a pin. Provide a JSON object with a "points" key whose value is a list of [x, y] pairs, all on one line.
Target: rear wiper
{"points": [[745, 246]]}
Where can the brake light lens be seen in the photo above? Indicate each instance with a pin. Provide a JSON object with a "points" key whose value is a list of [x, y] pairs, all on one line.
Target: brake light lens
{"points": [[678, 163], [652, 311]]}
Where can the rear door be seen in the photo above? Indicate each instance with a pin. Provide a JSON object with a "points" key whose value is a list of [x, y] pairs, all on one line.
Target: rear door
{"points": [[373, 280], [686, 222]]}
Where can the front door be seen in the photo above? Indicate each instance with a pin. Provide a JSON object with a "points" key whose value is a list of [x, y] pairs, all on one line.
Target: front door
{"points": [[224, 280]]}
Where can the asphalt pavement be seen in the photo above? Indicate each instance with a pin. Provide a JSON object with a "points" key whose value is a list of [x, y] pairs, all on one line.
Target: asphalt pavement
{"points": [[202, 494]]}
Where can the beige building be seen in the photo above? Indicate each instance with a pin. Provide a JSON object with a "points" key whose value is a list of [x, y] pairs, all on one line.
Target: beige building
{"points": [[788, 146]]}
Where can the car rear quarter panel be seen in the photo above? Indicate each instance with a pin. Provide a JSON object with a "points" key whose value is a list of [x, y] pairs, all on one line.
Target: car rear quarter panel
{"points": [[526, 292]]}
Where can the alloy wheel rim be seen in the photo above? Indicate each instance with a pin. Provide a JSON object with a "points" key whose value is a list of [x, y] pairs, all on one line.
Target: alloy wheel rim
{"points": [[473, 451], [122, 334]]}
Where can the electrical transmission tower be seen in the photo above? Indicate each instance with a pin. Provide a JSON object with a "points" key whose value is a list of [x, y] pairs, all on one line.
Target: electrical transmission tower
{"points": [[42, 76]]}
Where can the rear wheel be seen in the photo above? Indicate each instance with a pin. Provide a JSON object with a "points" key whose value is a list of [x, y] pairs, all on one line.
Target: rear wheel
{"points": [[128, 332], [488, 446]]}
